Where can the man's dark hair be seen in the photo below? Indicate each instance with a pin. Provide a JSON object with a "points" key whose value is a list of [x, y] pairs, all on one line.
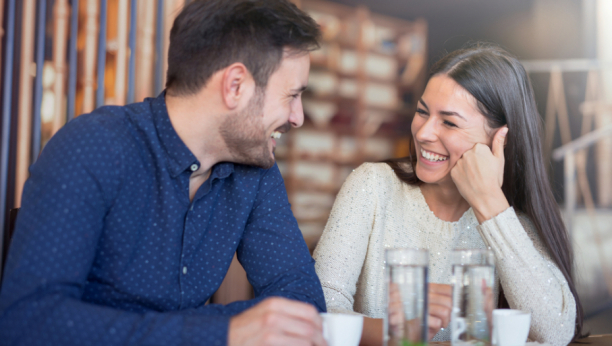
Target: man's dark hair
{"points": [[209, 35]]}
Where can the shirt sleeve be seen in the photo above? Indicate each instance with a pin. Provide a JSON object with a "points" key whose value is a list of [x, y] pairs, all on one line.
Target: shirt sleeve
{"points": [[529, 277], [343, 246], [273, 251], [70, 190]]}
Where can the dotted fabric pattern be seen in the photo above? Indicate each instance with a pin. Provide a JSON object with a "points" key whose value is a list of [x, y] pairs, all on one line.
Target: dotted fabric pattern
{"points": [[109, 250]]}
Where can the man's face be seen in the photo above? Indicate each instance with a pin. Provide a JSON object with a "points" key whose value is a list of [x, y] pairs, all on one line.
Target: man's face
{"points": [[250, 134]]}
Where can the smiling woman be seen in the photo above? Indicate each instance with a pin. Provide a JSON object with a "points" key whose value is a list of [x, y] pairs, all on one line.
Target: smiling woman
{"points": [[475, 179]]}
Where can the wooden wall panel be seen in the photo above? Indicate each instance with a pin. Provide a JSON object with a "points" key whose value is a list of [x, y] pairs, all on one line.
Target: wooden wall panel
{"points": [[61, 12], [26, 74], [90, 40], [145, 49]]}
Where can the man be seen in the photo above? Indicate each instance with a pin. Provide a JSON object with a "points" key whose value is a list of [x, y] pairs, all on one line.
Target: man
{"points": [[132, 214]]}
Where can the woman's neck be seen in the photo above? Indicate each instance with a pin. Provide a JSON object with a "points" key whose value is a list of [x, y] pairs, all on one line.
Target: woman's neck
{"points": [[445, 201]]}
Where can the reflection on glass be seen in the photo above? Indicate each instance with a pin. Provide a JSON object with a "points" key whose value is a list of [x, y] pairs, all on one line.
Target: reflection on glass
{"points": [[406, 322], [473, 278]]}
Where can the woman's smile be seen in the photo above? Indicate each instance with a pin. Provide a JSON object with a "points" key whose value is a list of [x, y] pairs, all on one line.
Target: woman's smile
{"points": [[447, 123], [432, 157]]}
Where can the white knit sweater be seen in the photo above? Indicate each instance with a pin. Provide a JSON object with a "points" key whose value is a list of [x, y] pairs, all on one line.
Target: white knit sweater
{"points": [[375, 210]]}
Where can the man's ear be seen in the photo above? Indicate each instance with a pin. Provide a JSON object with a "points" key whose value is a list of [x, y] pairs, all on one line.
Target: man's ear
{"points": [[236, 84]]}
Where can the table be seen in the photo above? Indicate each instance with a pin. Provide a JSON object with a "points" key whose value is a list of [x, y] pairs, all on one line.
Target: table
{"points": [[593, 340]]}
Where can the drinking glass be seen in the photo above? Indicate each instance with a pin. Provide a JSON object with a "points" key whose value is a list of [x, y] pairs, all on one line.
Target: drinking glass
{"points": [[473, 278], [406, 285]]}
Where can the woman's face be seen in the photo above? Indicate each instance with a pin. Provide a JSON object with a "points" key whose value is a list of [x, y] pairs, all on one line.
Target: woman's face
{"points": [[447, 123]]}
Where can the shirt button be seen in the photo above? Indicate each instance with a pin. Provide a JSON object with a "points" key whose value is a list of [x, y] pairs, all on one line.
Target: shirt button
{"points": [[184, 270], [194, 167]]}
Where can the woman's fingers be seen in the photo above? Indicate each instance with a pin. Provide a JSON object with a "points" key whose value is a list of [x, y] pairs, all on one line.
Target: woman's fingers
{"points": [[499, 140], [440, 313], [441, 289], [441, 301], [434, 325], [440, 307]]}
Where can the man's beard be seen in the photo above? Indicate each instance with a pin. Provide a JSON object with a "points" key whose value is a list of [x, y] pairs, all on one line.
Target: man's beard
{"points": [[245, 136]]}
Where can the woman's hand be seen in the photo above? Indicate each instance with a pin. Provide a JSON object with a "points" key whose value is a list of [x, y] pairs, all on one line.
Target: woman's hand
{"points": [[440, 298], [440, 307], [479, 175]]}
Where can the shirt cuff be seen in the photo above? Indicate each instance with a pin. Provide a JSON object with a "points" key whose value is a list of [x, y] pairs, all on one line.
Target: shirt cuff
{"points": [[206, 330]]}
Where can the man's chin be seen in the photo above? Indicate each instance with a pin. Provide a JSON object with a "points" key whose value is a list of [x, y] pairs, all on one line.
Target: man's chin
{"points": [[265, 164], [261, 162], [262, 158]]}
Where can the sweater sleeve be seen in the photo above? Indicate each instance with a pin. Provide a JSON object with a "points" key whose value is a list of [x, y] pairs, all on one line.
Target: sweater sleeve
{"points": [[342, 248], [530, 278]]}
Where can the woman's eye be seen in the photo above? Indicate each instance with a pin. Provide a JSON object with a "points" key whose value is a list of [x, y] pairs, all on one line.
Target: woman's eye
{"points": [[448, 123], [421, 111]]}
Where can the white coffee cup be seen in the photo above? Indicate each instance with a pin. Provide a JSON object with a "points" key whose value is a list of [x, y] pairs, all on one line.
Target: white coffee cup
{"points": [[510, 327], [342, 329]]}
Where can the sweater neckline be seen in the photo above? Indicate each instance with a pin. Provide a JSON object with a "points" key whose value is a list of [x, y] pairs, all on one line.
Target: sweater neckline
{"points": [[468, 216]]}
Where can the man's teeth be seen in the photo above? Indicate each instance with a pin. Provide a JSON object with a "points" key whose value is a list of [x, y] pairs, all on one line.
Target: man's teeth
{"points": [[276, 135], [433, 157]]}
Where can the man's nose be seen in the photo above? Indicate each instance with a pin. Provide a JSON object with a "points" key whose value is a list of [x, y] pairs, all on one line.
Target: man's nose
{"points": [[296, 118]]}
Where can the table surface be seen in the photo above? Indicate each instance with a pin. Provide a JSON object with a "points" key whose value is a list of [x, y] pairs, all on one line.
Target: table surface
{"points": [[593, 340]]}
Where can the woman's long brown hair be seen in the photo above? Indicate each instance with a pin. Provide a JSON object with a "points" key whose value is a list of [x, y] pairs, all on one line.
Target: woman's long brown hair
{"points": [[502, 88]]}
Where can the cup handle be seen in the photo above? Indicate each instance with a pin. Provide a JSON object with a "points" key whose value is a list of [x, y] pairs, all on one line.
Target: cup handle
{"points": [[457, 324], [494, 336], [325, 331]]}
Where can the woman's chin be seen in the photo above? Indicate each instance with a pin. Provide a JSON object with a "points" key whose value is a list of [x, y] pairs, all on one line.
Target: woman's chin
{"points": [[429, 176]]}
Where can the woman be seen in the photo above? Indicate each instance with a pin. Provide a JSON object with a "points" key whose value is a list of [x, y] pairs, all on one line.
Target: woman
{"points": [[475, 179]]}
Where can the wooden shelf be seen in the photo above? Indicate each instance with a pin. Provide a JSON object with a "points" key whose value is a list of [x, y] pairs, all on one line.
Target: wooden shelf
{"points": [[320, 166]]}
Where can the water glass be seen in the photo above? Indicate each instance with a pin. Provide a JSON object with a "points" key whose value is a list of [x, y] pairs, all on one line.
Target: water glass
{"points": [[406, 284], [473, 279]]}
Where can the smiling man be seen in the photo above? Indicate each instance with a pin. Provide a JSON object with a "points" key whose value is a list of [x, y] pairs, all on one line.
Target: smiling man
{"points": [[132, 215]]}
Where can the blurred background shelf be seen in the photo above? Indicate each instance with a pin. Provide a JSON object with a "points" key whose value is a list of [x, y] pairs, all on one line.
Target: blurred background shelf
{"points": [[363, 86]]}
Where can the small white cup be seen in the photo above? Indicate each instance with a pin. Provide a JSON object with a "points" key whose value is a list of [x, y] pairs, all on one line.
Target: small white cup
{"points": [[510, 327], [342, 329]]}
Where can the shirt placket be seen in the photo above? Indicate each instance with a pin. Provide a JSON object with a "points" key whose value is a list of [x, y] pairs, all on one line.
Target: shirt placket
{"points": [[184, 265]]}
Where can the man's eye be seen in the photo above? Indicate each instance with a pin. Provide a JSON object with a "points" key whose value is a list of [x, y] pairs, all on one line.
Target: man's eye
{"points": [[295, 96]]}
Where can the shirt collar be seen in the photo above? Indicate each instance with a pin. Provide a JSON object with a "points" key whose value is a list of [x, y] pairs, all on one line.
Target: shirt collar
{"points": [[180, 157], [222, 170]]}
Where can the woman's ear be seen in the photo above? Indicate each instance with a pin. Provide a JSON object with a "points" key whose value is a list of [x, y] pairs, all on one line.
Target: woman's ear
{"points": [[236, 84]]}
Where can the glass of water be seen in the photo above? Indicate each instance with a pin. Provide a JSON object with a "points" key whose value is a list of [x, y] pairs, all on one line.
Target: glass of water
{"points": [[473, 279], [406, 285]]}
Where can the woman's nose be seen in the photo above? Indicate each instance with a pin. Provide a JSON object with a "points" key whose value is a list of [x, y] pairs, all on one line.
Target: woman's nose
{"points": [[428, 131]]}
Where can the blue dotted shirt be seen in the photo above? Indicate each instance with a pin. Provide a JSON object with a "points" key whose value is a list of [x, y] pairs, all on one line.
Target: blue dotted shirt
{"points": [[109, 250]]}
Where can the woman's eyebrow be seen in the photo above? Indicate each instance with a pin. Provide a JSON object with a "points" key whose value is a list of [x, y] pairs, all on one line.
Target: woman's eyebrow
{"points": [[424, 104], [453, 113], [443, 112]]}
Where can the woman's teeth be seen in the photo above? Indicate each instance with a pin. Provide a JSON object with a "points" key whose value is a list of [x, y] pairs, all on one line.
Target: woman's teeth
{"points": [[276, 135], [433, 157]]}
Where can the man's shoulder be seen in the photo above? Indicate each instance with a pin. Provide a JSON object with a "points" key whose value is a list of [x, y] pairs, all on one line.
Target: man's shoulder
{"points": [[110, 125], [110, 118]]}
